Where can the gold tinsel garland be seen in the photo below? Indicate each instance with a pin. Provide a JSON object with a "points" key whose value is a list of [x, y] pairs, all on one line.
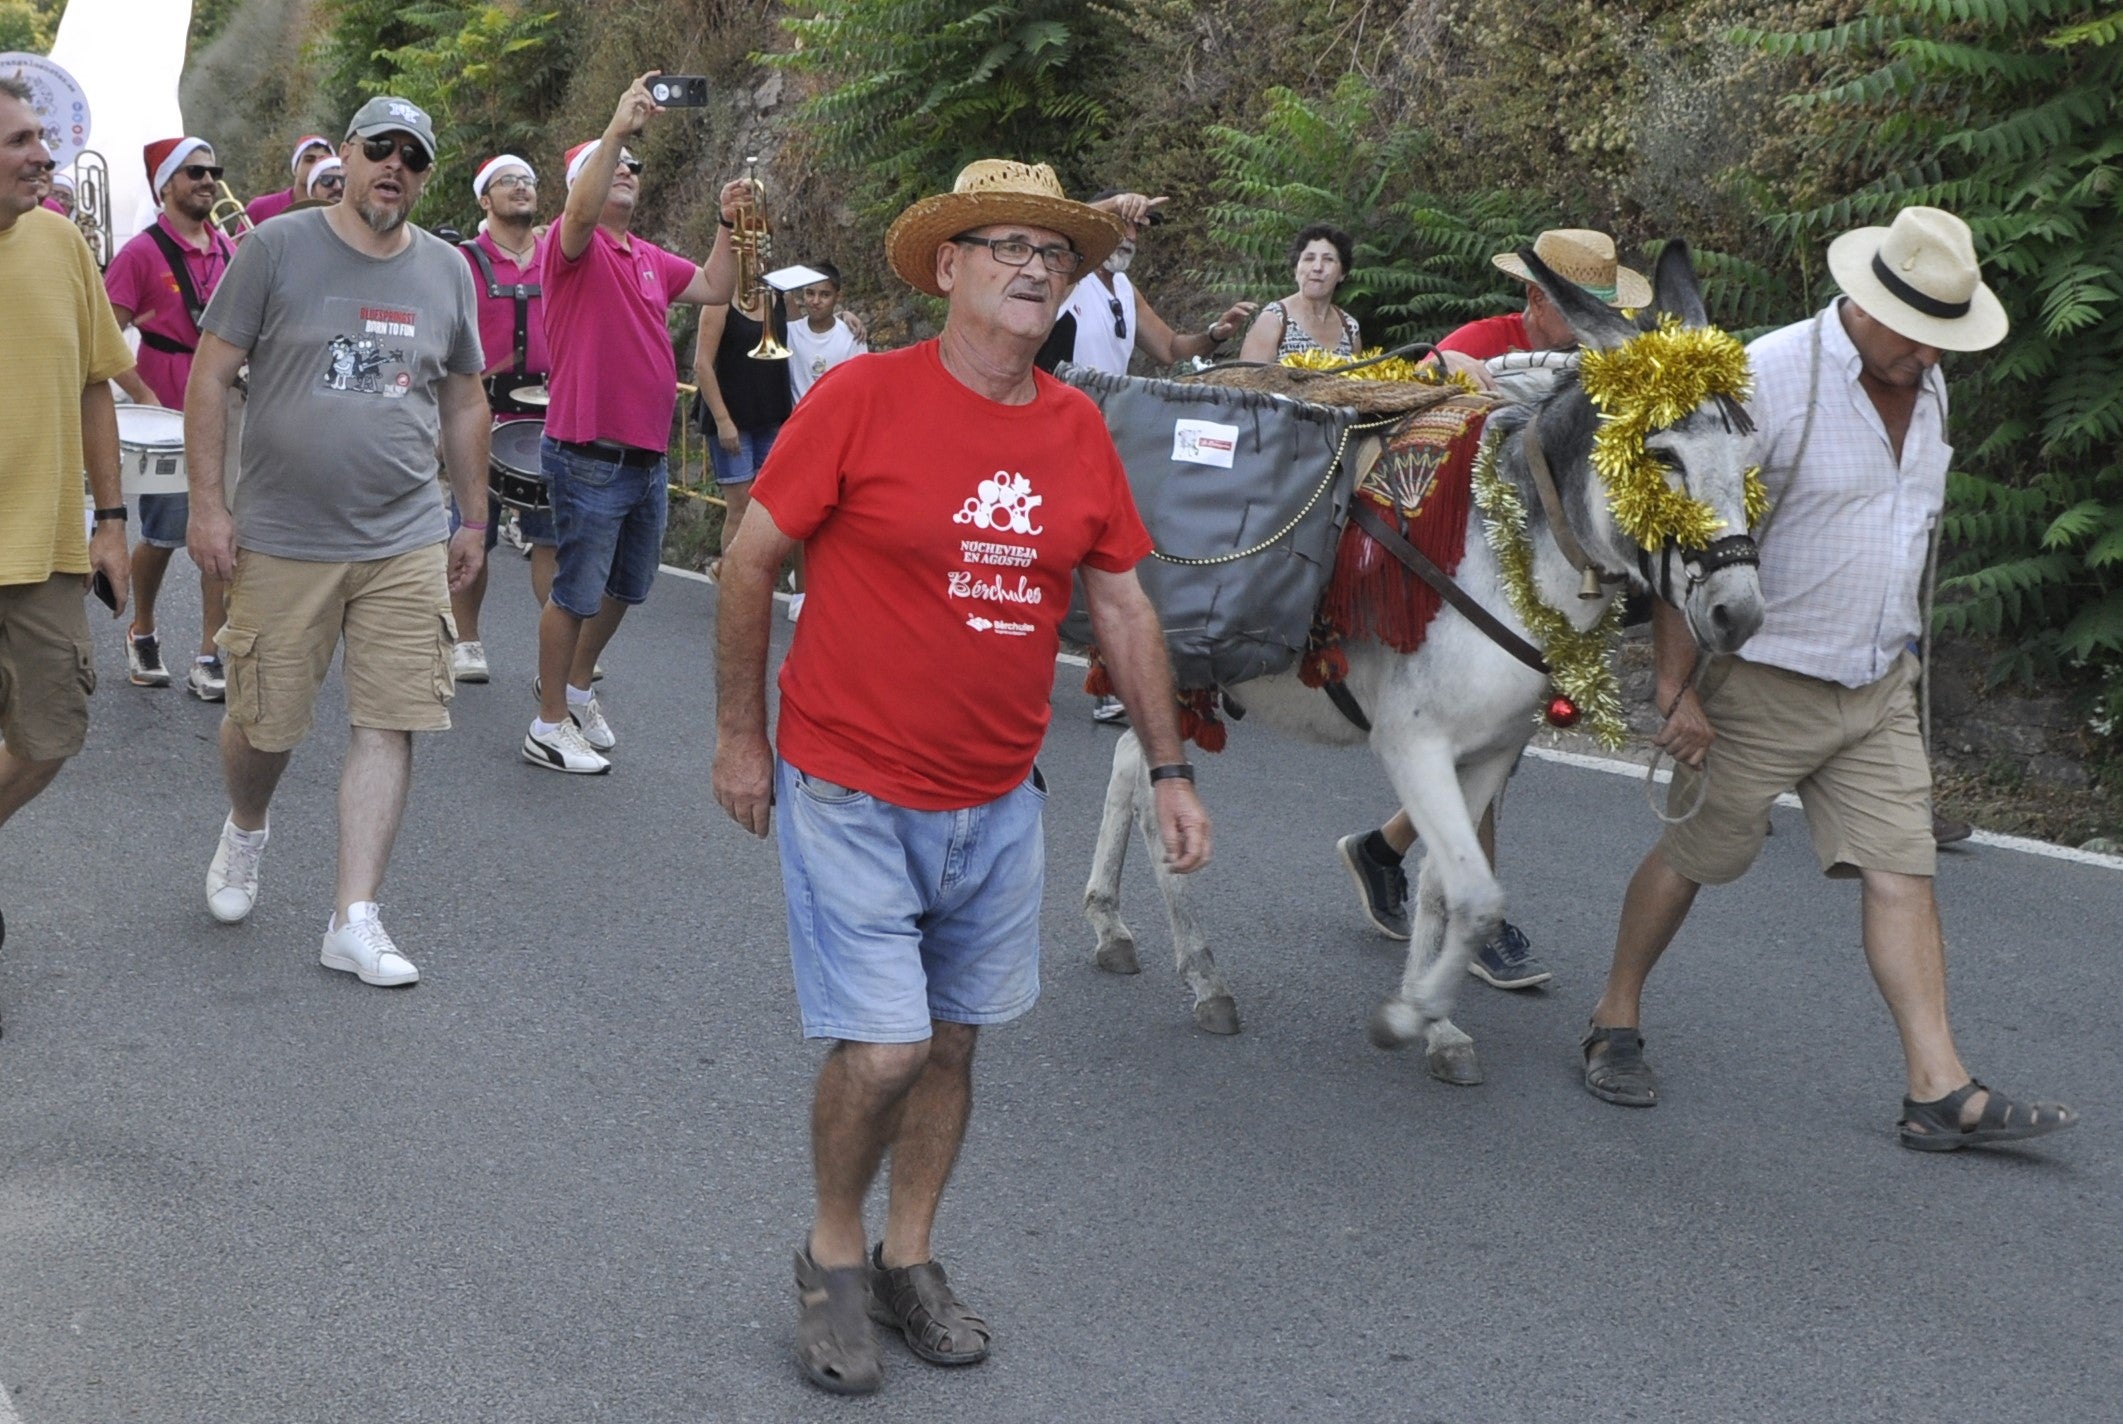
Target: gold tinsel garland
{"points": [[1399, 368], [1580, 664], [1648, 383]]}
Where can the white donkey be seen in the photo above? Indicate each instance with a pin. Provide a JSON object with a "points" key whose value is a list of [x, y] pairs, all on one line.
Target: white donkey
{"points": [[1449, 720]]}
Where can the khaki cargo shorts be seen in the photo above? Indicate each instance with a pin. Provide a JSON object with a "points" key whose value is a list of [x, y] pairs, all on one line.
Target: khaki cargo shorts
{"points": [[1854, 754], [287, 616], [47, 668]]}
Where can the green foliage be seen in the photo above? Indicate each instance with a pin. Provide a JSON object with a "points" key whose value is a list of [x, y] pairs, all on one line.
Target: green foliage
{"points": [[910, 91], [2010, 114], [28, 25]]}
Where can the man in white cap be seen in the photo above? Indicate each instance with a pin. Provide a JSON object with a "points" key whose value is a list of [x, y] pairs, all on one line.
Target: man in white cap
{"points": [[1374, 859], [1851, 412], [160, 282], [310, 150], [946, 496]]}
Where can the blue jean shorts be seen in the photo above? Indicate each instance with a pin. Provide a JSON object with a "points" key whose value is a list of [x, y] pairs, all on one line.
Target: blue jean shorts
{"points": [[742, 467], [162, 519], [898, 917], [608, 520]]}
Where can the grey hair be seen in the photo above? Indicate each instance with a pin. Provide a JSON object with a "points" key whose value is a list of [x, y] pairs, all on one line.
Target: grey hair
{"points": [[18, 89]]}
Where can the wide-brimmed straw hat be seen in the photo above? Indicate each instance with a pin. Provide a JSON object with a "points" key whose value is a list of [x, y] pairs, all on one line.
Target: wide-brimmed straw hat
{"points": [[1587, 258], [1919, 279], [995, 190]]}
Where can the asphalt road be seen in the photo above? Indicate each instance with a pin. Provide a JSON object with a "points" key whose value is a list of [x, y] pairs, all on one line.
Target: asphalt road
{"points": [[561, 1179]]}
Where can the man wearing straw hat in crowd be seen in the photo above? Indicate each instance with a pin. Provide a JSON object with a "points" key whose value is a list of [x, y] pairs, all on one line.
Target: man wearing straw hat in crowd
{"points": [[160, 282], [1374, 859], [61, 351], [945, 495], [310, 150], [1851, 412]]}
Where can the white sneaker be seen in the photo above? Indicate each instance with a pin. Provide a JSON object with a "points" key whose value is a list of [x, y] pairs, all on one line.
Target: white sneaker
{"points": [[232, 877], [795, 606], [563, 750], [595, 730], [207, 680], [468, 662], [362, 949]]}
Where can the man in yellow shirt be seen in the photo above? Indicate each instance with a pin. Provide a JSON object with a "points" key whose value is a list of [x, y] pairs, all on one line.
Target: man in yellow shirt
{"points": [[63, 346]]}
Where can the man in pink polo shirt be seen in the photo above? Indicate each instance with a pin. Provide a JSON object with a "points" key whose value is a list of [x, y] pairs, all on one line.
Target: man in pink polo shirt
{"points": [[615, 386], [310, 150], [160, 282]]}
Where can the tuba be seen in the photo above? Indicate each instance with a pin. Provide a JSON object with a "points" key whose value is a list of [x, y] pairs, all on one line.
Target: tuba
{"points": [[754, 242], [92, 203], [228, 215]]}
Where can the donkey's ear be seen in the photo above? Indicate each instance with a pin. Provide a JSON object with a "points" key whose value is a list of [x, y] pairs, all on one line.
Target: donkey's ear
{"points": [[1674, 283], [1596, 325]]}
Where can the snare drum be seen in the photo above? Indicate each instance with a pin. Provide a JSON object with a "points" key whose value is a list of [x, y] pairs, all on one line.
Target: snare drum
{"points": [[151, 450], [513, 476]]}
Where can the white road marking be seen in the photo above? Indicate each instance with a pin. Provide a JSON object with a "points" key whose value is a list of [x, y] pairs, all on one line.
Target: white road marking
{"points": [[7, 1410]]}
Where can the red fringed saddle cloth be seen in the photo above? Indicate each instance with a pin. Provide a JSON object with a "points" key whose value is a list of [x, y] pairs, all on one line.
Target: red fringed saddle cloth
{"points": [[1423, 482]]}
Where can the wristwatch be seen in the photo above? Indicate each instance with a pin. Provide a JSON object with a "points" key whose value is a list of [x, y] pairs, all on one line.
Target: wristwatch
{"points": [[116, 511]]}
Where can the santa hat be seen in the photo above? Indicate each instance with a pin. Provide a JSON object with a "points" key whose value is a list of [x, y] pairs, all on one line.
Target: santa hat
{"points": [[63, 179], [165, 156], [324, 169], [579, 155], [304, 145], [489, 170]]}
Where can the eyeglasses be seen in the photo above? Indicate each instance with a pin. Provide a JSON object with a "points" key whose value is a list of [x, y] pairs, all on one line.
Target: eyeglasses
{"points": [[1120, 319], [1016, 252], [379, 150], [513, 180], [196, 171]]}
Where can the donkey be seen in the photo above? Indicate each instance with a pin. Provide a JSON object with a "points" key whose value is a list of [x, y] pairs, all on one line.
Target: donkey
{"points": [[1449, 720]]}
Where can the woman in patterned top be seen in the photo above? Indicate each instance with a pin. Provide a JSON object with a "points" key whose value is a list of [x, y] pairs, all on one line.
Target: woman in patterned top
{"points": [[1308, 320]]}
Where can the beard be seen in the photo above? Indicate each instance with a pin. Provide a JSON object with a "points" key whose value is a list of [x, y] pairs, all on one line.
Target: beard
{"points": [[382, 220], [1122, 256]]}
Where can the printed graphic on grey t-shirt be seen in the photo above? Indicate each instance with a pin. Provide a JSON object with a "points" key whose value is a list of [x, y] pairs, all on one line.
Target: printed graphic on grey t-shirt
{"points": [[362, 358]]}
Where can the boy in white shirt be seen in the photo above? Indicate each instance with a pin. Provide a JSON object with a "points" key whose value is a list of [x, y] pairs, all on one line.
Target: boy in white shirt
{"points": [[818, 343]]}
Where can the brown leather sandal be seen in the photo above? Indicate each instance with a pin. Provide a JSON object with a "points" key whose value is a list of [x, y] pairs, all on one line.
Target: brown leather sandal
{"points": [[834, 1341], [919, 1303]]}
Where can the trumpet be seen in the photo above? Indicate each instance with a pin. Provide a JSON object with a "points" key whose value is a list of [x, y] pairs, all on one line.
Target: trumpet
{"points": [[92, 204], [754, 242], [227, 213]]}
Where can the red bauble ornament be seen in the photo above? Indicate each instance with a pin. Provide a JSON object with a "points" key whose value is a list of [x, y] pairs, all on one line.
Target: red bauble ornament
{"points": [[1562, 712]]}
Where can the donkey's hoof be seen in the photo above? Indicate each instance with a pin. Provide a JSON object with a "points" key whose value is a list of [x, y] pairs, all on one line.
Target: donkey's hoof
{"points": [[1456, 1064], [1117, 955], [1216, 1015], [1393, 1025]]}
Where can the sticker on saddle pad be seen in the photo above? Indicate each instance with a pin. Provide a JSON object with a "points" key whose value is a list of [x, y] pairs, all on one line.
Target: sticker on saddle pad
{"points": [[1204, 442]]}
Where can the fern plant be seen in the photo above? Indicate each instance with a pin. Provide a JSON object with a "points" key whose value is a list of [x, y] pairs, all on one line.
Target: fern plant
{"points": [[2008, 113]]}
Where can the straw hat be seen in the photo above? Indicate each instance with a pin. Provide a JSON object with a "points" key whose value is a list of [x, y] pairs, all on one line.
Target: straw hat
{"points": [[1919, 279], [995, 190], [1587, 258]]}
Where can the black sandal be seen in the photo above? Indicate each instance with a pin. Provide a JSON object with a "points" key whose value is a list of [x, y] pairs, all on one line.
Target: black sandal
{"points": [[1936, 1126], [919, 1303], [834, 1341], [1615, 1070]]}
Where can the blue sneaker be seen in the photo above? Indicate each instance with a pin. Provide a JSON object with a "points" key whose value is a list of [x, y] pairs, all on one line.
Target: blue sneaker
{"points": [[1507, 961]]}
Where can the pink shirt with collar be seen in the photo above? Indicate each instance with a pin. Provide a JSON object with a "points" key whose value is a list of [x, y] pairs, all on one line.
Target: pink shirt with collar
{"points": [[140, 281], [497, 315], [269, 205], [614, 374]]}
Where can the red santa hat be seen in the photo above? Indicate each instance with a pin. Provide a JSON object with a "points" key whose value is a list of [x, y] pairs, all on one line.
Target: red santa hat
{"points": [[579, 155], [491, 169], [304, 145], [165, 156], [324, 169]]}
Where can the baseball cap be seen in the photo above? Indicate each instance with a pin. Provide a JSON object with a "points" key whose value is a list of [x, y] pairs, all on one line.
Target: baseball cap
{"points": [[387, 113]]}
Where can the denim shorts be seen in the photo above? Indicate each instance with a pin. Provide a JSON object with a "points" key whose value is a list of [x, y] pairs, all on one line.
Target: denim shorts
{"points": [[742, 467], [898, 917], [162, 519], [608, 520]]}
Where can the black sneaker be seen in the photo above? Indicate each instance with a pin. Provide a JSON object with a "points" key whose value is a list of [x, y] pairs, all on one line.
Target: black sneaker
{"points": [[1383, 889], [143, 662], [1507, 961]]}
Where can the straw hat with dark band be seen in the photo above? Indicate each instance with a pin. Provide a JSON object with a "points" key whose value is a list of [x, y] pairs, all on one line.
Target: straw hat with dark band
{"points": [[988, 192], [1587, 258], [1919, 279]]}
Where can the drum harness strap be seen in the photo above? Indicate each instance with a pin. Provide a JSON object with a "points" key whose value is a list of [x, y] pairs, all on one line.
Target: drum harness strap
{"points": [[520, 292], [182, 272]]}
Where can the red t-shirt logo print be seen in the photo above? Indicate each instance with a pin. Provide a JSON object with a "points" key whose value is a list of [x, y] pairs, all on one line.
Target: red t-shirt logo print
{"points": [[1004, 504]]}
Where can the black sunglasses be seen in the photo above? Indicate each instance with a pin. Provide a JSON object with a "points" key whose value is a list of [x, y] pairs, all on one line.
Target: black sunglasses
{"points": [[1120, 319], [415, 158], [632, 165], [196, 171]]}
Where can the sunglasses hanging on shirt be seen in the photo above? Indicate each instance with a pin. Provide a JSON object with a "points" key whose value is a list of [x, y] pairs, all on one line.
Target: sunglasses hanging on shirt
{"points": [[1120, 319]]}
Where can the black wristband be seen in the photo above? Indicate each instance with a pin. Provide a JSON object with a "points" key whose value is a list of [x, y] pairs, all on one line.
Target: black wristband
{"points": [[116, 511], [1171, 771], [725, 222]]}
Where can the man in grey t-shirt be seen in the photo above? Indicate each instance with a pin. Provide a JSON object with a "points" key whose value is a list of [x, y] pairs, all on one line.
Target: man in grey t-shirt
{"points": [[362, 335]]}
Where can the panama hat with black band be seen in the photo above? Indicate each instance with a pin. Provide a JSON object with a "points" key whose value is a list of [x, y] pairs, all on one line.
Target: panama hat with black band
{"points": [[1918, 278], [988, 192]]}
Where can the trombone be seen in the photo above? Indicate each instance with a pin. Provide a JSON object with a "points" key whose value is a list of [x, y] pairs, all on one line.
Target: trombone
{"points": [[754, 242], [92, 204], [227, 213]]}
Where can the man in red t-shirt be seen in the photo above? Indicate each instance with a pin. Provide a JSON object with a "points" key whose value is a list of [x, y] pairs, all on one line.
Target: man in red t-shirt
{"points": [[945, 496], [1374, 859]]}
